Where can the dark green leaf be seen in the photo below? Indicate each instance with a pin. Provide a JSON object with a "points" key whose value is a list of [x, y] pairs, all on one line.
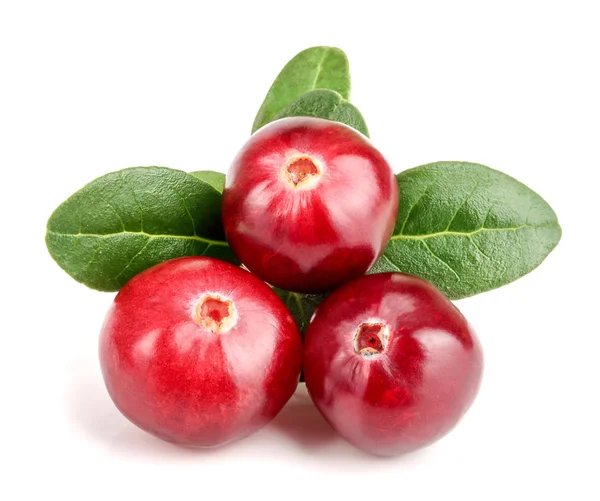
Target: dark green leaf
{"points": [[468, 228], [124, 222], [215, 179], [326, 104], [314, 68], [301, 306]]}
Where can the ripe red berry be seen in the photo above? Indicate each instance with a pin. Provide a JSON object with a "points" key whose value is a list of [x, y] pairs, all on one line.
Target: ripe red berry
{"points": [[309, 204], [199, 352], [391, 363]]}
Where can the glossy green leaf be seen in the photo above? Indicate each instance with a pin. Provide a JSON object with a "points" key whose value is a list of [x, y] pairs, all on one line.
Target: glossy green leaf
{"points": [[327, 104], [314, 68], [468, 228], [215, 179], [124, 222], [301, 306]]}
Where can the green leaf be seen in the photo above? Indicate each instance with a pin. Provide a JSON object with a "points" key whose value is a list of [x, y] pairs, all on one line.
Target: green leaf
{"points": [[468, 228], [127, 221], [314, 68], [215, 179], [327, 104], [301, 306]]}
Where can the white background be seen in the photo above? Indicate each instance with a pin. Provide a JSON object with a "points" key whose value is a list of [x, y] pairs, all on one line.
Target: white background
{"points": [[92, 87]]}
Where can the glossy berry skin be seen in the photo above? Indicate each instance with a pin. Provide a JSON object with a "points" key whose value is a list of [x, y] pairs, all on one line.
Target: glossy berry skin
{"points": [[391, 363], [199, 352], [309, 204]]}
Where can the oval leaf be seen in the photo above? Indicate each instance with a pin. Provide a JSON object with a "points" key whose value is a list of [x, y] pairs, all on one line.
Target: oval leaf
{"points": [[327, 104], [127, 221], [314, 68], [215, 179], [468, 228]]}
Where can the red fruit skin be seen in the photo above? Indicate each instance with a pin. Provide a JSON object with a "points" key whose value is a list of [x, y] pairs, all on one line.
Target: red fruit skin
{"points": [[187, 384], [309, 240], [415, 390]]}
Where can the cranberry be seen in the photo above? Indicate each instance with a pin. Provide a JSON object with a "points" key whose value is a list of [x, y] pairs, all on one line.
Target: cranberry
{"points": [[309, 204], [391, 363], [199, 352]]}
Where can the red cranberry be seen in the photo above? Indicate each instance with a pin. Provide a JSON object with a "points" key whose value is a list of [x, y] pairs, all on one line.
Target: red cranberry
{"points": [[199, 352], [309, 204], [391, 363]]}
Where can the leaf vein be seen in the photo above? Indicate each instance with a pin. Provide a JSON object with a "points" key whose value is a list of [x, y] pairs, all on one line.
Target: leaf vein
{"points": [[411, 209], [116, 279], [206, 249], [384, 256], [479, 248], [185, 206], [94, 254], [462, 205], [300, 308], [319, 68], [128, 183], [469, 233], [142, 233], [440, 260], [115, 211]]}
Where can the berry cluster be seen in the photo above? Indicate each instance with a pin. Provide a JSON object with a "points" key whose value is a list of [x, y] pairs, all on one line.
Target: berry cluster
{"points": [[309, 259], [201, 352]]}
